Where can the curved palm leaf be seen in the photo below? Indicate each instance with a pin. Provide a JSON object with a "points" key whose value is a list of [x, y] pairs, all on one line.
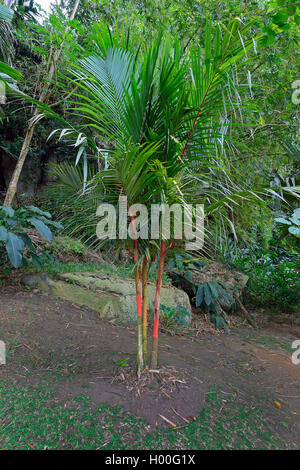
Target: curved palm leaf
{"points": [[103, 82], [6, 35], [6, 13]]}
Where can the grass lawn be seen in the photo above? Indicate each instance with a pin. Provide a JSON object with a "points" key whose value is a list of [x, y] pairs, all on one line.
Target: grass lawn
{"points": [[62, 385], [33, 418]]}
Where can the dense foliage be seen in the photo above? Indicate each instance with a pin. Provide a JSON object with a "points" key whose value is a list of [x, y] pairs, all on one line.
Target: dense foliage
{"points": [[163, 102], [15, 235]]}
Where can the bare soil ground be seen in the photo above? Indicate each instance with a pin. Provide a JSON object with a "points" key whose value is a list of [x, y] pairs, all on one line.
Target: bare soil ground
{"points": [[71, 348]]}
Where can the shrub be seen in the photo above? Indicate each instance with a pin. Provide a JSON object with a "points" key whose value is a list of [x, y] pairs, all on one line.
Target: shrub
{"points": [[15, 238], [273, 277], [68, 246], [290, 224], [172, 318], [209, 296]]}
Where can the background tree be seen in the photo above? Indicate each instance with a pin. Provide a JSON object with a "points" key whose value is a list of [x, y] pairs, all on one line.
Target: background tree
{"points": [[45, 93]]}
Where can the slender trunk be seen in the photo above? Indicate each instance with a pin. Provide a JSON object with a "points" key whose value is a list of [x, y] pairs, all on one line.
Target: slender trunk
{"points": [[12, 187], [144, 309], [154, 354], [140, 363]]}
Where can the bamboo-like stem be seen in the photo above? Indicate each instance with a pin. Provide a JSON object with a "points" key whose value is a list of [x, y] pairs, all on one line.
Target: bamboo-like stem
{"points": [[144, 309], [162, 254], [140, 363]]}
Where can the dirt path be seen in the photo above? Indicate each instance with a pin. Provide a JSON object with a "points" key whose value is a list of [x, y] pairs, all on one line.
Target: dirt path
{"points": [[48, 339]]}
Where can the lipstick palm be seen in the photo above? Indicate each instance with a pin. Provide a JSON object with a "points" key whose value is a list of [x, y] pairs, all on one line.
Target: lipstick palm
{"points": [[130, 176], [165, 114]]}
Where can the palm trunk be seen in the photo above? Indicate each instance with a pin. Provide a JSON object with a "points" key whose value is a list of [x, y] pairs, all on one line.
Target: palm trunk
{"points": [[12, 187], [154, 354], [140, 363], [144, 309]]}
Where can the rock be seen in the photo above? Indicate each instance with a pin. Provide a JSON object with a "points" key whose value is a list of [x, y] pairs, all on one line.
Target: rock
{"points": [[111, 296], [29, 177]]}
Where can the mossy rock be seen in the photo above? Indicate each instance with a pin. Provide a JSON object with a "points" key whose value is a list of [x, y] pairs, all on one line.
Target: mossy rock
{"points": [[114, 298]]}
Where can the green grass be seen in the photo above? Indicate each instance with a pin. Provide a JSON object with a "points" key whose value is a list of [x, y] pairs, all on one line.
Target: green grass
{"points": [[33, 418], [56, 267], [104, 267]]}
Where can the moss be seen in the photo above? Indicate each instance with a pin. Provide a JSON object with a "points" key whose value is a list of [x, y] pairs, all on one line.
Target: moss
{"points": [[114, 298]]}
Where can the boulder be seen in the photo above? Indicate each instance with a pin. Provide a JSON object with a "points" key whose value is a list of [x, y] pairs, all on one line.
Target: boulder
{"points": [[111, 296]]}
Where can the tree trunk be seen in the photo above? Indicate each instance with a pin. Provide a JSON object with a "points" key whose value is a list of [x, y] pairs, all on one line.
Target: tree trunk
{"points": [[144, 309], [12, 187], [140, 363], [154, 355]]}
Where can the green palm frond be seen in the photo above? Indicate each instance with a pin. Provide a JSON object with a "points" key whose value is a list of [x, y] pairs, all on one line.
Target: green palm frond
{"points": [[215, 91], [156, 109], [8, 72], [129, 175], [102, 38], [6, 34], [102, 83], [6, 13], [6, 40], [74, 206]]}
